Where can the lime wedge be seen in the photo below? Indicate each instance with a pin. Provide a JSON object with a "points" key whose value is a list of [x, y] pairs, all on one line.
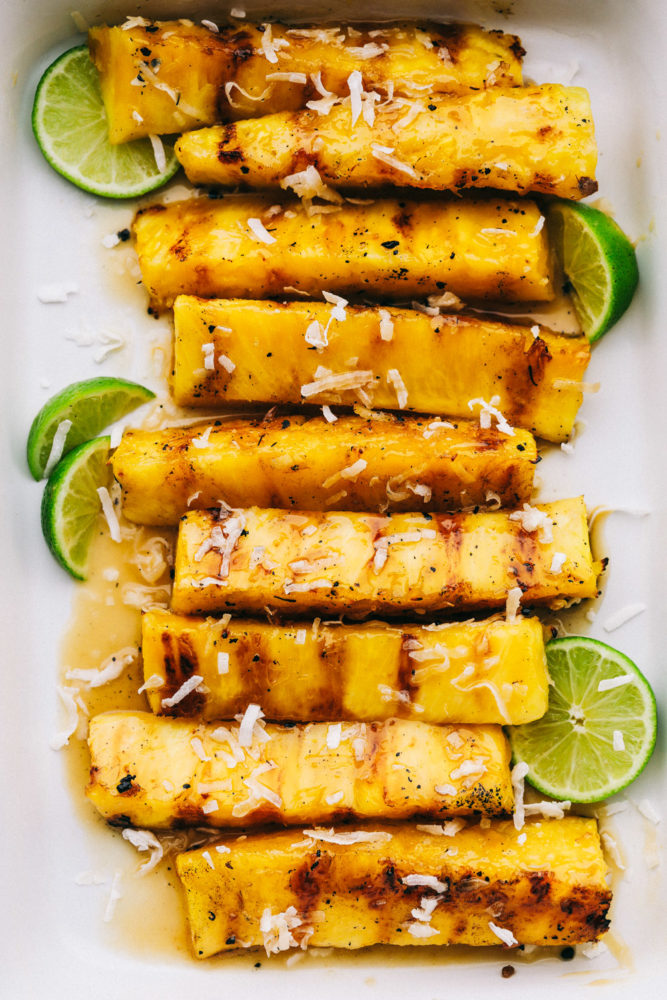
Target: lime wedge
{"points": [[70, 125], [89, 406], [600, 726], [71, 504], [597, 259]]}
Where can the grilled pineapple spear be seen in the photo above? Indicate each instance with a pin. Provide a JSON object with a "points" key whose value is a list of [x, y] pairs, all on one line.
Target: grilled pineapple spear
{"points": [[253, 247], [443, 361], [168, 76], [513, 139], [398, 885], [296, 462], [360, 564], [367, 672], [156, 772]]}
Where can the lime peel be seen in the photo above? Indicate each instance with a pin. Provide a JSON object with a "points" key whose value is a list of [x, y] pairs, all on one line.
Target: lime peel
{"points": [[598, 260], [70, 125], [599, 729], [71, 503], [76, 414]]}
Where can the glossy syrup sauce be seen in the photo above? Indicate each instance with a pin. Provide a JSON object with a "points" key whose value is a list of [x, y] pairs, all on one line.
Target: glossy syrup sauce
{"points": [[150, 919]]}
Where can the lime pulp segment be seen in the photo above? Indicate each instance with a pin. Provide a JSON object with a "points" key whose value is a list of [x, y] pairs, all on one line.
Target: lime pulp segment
{"points": [[598, 260], [70, 125], [90, 405], [600, 727], [71, 504]]}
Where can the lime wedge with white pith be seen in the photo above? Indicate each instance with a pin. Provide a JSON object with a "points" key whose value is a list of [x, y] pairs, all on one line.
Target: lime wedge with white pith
{"points": [[71, 504], [599, 730], [597, 259], [70, 125], [88, 407]]}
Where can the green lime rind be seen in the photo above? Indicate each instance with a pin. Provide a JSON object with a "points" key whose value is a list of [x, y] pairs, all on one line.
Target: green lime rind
{"points": [[569, 751], [70, 504], [598, 260], [70, 125], [91, 405]]}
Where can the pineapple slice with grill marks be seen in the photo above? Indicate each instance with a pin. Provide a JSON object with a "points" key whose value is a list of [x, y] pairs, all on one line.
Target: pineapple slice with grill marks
{"points": [[150, 771], [300, 463], [443, 361], [186, 76], [257, 247], [368, 672], [363, 564], [398, 885], [523, 139]]}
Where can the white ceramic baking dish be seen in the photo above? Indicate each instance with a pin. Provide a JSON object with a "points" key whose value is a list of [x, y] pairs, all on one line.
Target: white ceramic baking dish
{"points": [[55, 941]]}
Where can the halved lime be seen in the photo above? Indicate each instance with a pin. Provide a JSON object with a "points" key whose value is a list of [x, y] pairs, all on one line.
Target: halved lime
{"points": [[70, 125], [600, 726], [597, 259], [71, 504], [90, 406]]}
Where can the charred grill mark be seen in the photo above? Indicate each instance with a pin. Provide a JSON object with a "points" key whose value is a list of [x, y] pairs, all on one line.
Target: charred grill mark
{"points": [[524, 373], [180, 249], [241, 47], [587, 185], [540, 885], [180, 662], [307, 881], [332, 654]]}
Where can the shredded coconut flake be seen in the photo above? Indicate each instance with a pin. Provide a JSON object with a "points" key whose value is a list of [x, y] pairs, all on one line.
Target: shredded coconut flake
{"points": [[251, 716], [384, 155], [489, 410], [622, 616], [394, 379], [557, 562], [550, 810], [614, 682], [649, 812], [211, 805], [277, 930], [445, 789], [419, 930], [331, 382], [211, 25], [519, 772], [114, 895], [347, 839], [512, 604], [198, 748], [111, 668], [109, 513], [144, 840], [57, 446], [57, 292], [504, 934], [329, 415], [256, 226], [158, 152], [186, 688], [428, 881], [533, 519], [223, 663], [386, 324], [333, 735]]}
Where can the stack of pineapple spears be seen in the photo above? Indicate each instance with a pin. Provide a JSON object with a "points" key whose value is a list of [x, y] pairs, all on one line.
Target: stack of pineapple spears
{"points": [[352, 514]]}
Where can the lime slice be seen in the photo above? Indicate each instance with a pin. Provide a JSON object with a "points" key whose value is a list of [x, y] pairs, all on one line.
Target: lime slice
{"points": [[591, 743], [598, 260], [71, 504], [70, 125], [90, 406]]}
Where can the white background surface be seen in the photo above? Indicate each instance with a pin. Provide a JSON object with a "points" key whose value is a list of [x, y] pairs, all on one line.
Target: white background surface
{"points": [[53, 939]]}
